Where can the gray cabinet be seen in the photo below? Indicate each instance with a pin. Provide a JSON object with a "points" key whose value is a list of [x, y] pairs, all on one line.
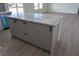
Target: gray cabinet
{"points": [[37, 34], [17, 28]]}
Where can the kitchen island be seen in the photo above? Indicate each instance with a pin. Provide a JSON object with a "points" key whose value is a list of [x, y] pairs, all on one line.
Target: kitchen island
{"points": [[38, 29]]}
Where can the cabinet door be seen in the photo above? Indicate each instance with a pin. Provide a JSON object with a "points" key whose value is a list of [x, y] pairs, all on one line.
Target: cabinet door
{"points": [[38, 34], [17, 28]]}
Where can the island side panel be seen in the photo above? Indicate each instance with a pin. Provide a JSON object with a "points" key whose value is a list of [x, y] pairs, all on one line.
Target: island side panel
{"points": [[54, 41]]}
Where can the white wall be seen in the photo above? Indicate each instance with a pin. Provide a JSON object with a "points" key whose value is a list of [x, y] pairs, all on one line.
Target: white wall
{"points": [[64, 7]]}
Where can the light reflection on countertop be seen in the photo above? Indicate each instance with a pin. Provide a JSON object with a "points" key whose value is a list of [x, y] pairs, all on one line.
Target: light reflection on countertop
{"points": [[48, 19]]}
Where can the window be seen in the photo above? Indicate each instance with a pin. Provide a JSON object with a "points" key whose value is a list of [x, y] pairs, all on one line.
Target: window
{"points": [[16, 8], [38, 6]]}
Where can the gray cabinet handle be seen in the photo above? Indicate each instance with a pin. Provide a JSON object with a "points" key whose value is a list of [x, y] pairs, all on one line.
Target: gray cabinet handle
{"points": [[50, 28], [25, 34], [14, 21], [24, 22]]}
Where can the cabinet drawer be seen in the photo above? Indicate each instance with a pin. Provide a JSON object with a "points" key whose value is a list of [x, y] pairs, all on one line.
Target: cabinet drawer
{"points": [[17, 27], [38, 34]]}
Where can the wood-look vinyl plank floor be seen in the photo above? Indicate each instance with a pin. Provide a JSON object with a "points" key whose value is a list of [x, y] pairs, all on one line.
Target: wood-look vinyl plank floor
{"points": [[18, 48]]}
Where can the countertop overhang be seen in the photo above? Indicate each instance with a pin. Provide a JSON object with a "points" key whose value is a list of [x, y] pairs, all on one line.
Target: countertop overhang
{"points": [[47, 19]]}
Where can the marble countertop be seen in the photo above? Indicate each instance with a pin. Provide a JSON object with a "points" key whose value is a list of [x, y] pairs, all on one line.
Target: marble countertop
{"points": [[47, 19]]}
